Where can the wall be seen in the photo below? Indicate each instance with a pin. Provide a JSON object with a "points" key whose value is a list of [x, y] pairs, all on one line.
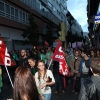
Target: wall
{"points": [[10, 34]]}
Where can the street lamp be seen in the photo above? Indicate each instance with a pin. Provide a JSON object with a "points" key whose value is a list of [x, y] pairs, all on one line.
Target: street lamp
{"points": [[70, 19]]}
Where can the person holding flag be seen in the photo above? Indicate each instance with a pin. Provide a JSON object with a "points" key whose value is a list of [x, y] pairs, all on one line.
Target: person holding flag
{"points": [[58, 79], [62, 68], [5, 58]]}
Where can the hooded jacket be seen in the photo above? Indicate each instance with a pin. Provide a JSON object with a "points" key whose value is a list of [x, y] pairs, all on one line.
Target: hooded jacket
{"points": [[90, 90]]}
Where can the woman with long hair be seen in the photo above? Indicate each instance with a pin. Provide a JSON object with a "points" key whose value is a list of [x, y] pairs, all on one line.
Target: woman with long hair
{"points": [[24, 85], [44, 79]]}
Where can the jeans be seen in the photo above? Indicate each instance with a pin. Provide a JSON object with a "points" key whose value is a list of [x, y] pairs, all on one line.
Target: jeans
{"points": [[84, 80], [46, 96]]}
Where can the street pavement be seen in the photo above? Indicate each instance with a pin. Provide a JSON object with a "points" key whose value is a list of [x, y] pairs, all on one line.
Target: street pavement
{"points": [[68, 95], [7, 91]]}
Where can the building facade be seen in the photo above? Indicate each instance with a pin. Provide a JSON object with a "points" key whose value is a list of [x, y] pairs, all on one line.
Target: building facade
{"points": [[14, 16], [93, 8], [76, 28], [73, 24]]}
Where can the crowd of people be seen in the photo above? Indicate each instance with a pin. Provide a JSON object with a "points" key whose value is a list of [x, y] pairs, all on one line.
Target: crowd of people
{"points": [[33, 79]]}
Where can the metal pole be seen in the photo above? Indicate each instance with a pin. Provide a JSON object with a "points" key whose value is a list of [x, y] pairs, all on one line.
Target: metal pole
{"points": [[50, 63], [70, 32], [9, 77]]}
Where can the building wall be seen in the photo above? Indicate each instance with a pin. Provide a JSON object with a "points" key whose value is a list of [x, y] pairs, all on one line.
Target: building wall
{"points": [[14, 16], [76, 28], [12, 38]]}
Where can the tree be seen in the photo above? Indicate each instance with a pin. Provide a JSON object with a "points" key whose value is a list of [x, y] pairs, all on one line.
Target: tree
{"points": [[49, 37], [31, 34]]}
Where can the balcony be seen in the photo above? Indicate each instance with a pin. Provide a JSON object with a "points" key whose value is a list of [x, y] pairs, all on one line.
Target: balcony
{"points": [[49, 8], [44, 2]]}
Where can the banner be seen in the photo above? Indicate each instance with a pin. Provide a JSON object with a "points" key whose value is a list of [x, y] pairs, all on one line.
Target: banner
{"points": [[59, 56], [5, 58], [46, 43]]}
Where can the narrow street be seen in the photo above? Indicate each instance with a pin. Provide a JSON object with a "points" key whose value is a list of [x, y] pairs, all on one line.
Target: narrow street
{"points": [[7, 90]]}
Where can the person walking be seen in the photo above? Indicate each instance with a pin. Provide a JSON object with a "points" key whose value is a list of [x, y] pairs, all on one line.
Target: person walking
{"points": [[90, 89], [59, 79], [84, 69], [75, 75], [23, 61], [24, 85], [44, 79]]}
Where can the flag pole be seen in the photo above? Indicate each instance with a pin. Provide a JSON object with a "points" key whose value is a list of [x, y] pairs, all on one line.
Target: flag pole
{"points": [[50, 63], [9, 77]]}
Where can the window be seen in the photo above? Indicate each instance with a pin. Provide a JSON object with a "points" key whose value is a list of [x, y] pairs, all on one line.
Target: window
{"points": [[54, 9], [50, 5], [1, 6], [16, 12], [12, 11], [7, 7], [26, 16], [20, 15], [23, 16]]}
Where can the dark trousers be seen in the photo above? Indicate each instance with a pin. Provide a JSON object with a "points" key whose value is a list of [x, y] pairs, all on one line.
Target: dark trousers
{"points": [[59, 82], [75, 83], [67, 79], [72, 79]]}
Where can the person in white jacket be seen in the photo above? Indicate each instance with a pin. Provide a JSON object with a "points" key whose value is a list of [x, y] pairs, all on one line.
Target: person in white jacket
{"points": [[44, 79]]}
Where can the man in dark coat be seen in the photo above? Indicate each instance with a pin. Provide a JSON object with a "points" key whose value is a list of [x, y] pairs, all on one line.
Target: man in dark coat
{"points": [[23, 61], [90, 89]]}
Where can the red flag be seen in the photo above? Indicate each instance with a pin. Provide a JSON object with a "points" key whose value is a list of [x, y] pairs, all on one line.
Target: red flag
{"points": [[5, 58], [59, 56], [58, 40], [46, 43]]}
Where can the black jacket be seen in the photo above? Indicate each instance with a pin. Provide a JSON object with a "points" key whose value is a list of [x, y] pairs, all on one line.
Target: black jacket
{"points": [[23, 62], [90, 90]]}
